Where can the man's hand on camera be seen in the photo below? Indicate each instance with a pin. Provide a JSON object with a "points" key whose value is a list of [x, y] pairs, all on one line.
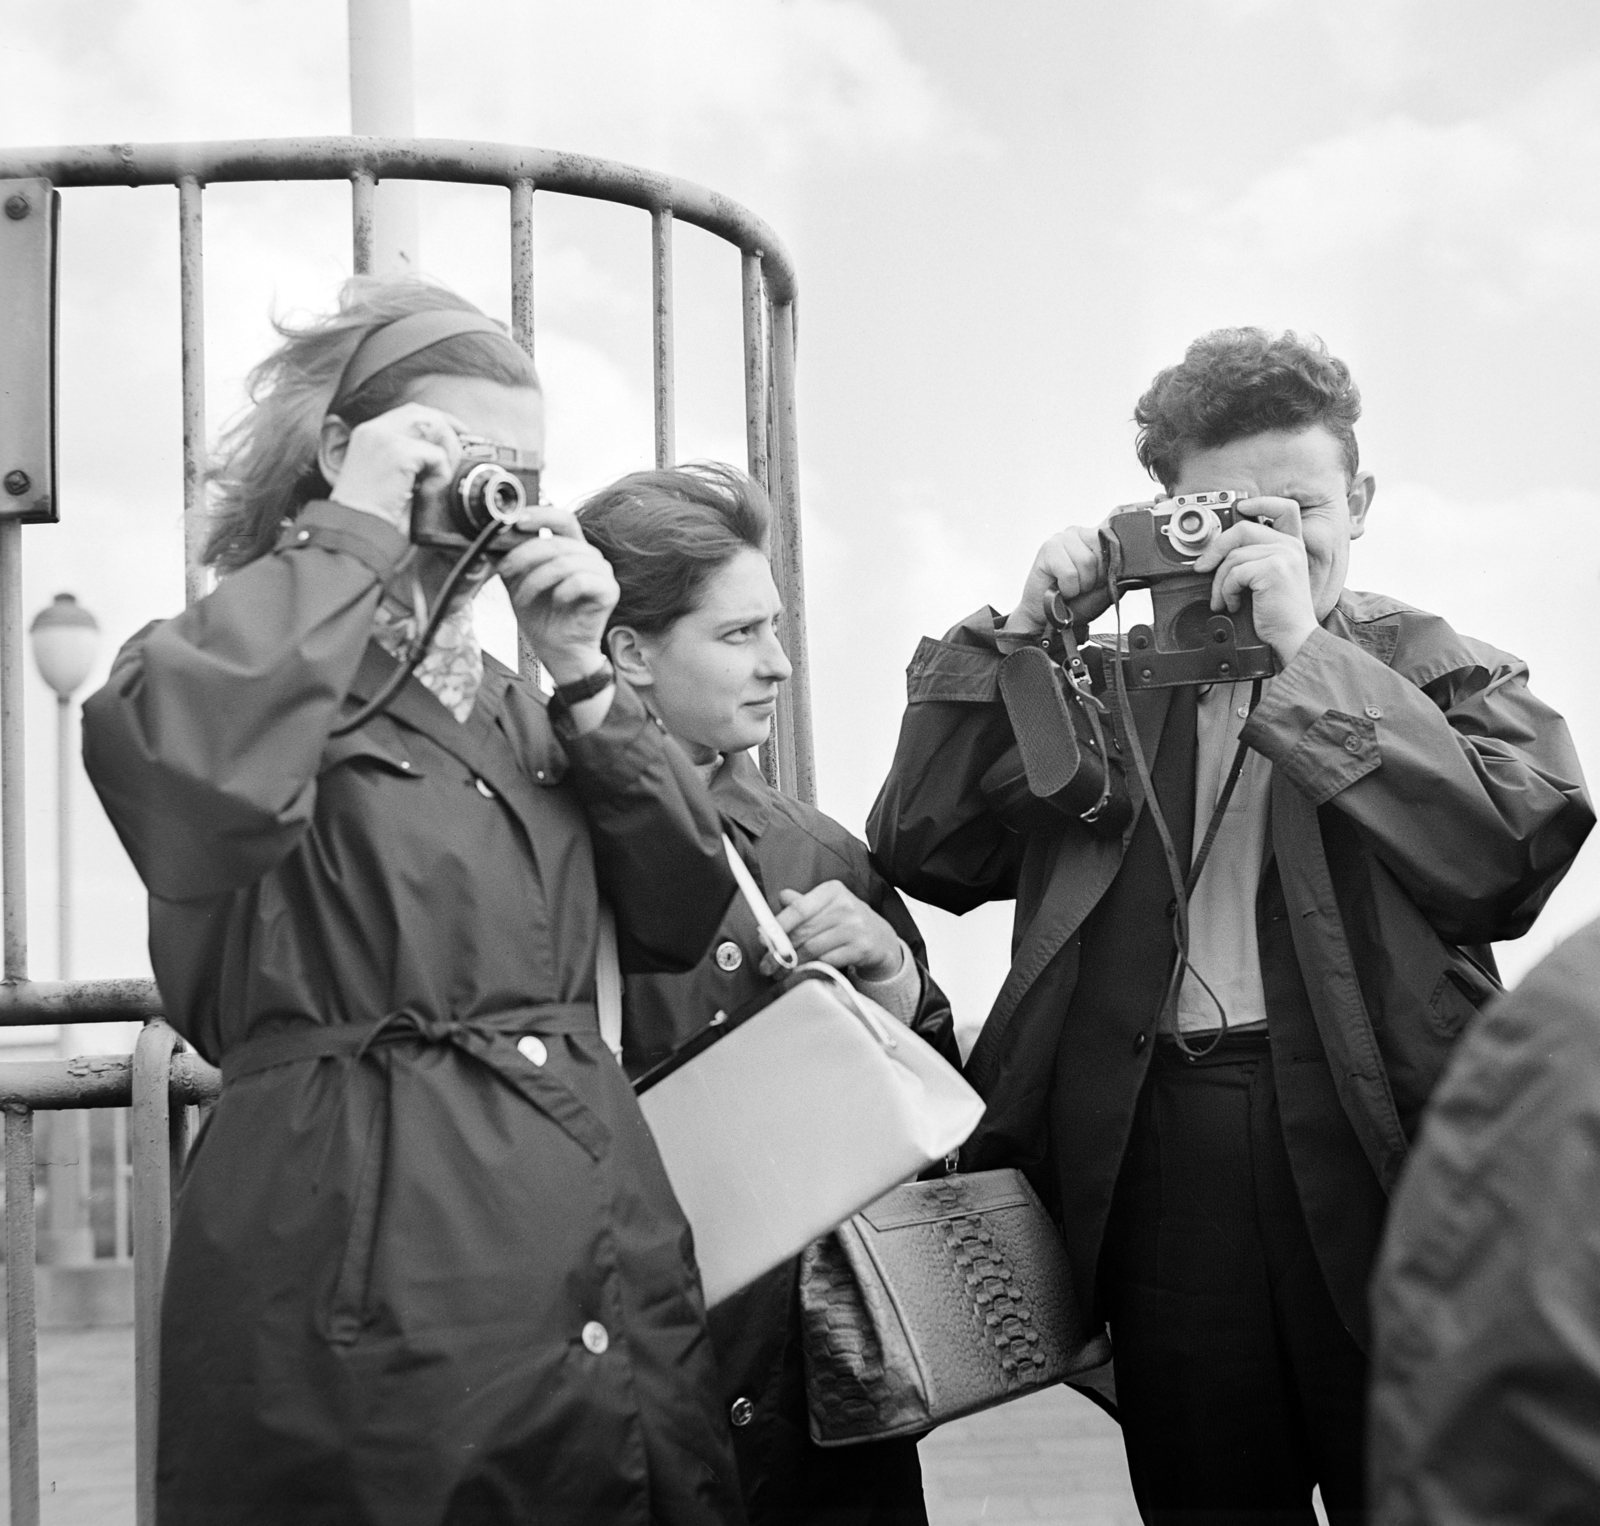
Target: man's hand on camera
{"points": [[1265, 555], [563, 591], [409, 449], [1070, 563]]}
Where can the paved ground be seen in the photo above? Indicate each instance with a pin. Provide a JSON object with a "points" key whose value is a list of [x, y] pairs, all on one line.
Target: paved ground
{"points": [[1051, 1458]]}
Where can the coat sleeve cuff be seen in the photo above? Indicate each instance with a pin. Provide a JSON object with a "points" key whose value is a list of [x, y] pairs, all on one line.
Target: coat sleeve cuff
{"points": [[1318, 719], [962, 668], [372, 541], [626, 744]]}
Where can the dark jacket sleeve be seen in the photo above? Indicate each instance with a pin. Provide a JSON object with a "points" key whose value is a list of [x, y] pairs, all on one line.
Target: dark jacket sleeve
{"points": [[657, 837], [205, 741], [936, 832], [1465, 785]]}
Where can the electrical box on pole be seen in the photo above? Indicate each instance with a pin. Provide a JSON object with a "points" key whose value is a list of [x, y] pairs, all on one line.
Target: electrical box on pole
{"points": [[29, 216]]}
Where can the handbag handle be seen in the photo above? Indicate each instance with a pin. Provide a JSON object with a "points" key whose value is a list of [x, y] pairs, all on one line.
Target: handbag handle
{"points": [[772, 934]]}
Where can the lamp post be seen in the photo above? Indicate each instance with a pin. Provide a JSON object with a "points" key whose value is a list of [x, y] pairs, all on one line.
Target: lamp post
{"points": [[65, 638]]}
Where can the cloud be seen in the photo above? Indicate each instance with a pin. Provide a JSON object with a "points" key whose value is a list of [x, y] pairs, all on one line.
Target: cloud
{"points": [[1500, 209]]}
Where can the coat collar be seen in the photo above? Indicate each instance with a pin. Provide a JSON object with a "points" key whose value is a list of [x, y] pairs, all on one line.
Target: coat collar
{"points": [[482, 743], [742, 795]]}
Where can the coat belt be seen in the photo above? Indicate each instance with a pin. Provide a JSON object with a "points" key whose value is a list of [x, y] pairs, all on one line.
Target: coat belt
{"points": [[490, 1039]]}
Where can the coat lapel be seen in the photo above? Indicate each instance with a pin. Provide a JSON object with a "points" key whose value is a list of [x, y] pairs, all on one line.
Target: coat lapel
{"points": [[480, 744], [1079, 877]]}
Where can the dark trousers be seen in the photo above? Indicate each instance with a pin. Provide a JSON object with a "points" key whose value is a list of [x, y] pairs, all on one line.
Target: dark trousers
{"points": [[1237, 1385]]}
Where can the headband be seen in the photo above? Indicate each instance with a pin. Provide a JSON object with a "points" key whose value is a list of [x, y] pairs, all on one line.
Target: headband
{"points": [[404, 337]]}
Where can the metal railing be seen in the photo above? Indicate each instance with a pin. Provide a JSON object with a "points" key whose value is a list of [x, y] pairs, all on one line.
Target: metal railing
{"points": [[162, 1082]]}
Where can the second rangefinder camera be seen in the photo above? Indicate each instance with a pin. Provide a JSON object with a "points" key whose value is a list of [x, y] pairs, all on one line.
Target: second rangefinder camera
{"points": [[1186, 642], [492, 484]]}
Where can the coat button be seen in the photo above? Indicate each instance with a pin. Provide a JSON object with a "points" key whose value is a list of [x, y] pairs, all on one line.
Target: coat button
{"points": [[595, 1337], [741, 1412], [1139, 1041], [483, 789], [303, 536], [729, 956], [1373, 713], [532, 1049], [1352, 743]]}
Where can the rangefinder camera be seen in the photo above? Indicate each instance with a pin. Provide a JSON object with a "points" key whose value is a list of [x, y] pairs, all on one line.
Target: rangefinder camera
{"points": [[492, 484], [1186, 642]]}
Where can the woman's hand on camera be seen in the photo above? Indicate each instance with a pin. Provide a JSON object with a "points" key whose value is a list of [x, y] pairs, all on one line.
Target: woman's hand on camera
{"points": [[563, 592], [831, 924], [1069, 563], [410, 449]]}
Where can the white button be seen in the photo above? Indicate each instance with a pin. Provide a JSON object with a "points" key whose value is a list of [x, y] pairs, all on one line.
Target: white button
{"points": [[718, 1018], [303, 536], [532, 1049], [538, 774], [1374, 713], [405, 764], [484, 790], [595, 1337], [1243, 712], [741, 1412], [729, 956]]}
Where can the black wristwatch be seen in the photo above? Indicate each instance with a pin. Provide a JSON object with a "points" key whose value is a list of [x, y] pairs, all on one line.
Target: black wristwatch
{"points": [[565, 696]]}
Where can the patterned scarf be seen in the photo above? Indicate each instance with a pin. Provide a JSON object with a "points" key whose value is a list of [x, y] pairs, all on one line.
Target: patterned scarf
{"points": [[452, 670]]}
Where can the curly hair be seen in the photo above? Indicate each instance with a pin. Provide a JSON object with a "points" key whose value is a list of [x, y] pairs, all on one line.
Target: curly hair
{"points": [[265, 467], [666, 533], [1233, 383]]}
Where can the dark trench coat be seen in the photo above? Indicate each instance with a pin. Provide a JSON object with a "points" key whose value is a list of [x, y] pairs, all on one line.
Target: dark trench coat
{"points": [[786, 1480], [1424, 803], [416, 1276]]}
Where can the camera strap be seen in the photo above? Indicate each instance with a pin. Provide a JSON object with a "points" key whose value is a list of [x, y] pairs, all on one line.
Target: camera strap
{"points": [[1182, 884]]}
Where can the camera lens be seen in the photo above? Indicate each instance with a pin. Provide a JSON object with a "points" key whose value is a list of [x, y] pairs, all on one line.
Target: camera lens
{"points": [[1193, 529], [490, 493]]}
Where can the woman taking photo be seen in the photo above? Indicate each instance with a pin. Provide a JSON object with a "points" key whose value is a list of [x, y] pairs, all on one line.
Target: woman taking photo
{"points": [[426, 1266], [694, 634]]}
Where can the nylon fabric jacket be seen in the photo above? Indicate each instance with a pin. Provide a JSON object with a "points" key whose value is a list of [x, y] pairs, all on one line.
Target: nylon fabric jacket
{"points": [[416, 1275], [1485, 1398], [788, 845], [1423, 804]]}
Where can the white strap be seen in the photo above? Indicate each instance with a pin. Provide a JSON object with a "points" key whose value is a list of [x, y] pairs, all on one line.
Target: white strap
{"points": [[772, 934], [608, 983]]}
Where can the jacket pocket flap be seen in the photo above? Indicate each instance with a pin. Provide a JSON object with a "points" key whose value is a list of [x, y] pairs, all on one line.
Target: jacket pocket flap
{"points": [[358, 745]]}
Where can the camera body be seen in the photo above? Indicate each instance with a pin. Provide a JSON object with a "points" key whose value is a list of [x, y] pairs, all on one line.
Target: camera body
{"points": [[492, 484], [1187, 642]]}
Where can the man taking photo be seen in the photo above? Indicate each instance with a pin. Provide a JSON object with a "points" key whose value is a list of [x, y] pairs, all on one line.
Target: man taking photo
{"points": [[1220, 1154]]}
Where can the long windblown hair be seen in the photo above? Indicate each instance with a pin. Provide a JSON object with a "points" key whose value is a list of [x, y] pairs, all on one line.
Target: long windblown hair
{"points": [[265, 467]]}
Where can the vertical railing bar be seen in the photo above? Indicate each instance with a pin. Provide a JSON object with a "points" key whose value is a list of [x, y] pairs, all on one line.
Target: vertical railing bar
{"points": [[363, 212], [755, 365], [753, 303], [802, 782], [191, 258], [661, 321], [120, 1241], [13, 798], [22, 1338], [522, 332], [152, 1235]]}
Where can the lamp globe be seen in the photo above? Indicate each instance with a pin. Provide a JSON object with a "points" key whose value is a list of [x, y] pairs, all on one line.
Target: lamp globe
{"points": [[65, 639]]}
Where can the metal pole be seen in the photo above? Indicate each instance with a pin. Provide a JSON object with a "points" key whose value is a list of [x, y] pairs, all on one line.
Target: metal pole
{"points": [[13, 813], [522, 332], [191, 292], [22, 1349], [661, 306], [383, 105], [794, 700]]}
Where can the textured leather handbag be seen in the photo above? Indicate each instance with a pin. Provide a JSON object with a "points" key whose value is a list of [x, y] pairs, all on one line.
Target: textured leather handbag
{"points": [[942, 1298], [780, 1121]]}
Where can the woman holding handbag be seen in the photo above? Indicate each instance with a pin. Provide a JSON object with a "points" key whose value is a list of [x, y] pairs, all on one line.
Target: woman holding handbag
{"points": [[694, 635], [426, 1266]]}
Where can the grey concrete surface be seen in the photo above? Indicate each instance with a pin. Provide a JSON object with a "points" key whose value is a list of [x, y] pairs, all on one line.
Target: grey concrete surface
{"points": [[1050, 1458]]}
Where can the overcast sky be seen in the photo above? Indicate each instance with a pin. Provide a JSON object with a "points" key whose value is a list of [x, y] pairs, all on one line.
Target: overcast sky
{"points": [[1006, 218]]}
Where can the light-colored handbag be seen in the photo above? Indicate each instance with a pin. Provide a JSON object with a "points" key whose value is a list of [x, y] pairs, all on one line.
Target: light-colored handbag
{"points": [[779, 1122]]}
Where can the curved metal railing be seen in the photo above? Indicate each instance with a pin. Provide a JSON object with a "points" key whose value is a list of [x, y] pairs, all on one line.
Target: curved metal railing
{"points": [[161, 1081]]}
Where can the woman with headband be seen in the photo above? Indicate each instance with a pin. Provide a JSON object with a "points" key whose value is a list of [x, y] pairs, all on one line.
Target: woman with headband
{"points": [[426, 1266]]}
